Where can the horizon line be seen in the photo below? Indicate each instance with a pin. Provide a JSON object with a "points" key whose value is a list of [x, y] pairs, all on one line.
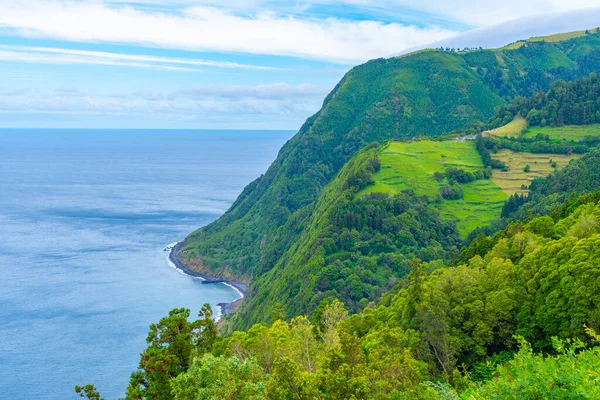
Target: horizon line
{"points": [[148, 129]]}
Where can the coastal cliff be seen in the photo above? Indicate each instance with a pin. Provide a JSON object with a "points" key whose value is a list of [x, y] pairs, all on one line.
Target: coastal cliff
{"points": [[226, 308]]}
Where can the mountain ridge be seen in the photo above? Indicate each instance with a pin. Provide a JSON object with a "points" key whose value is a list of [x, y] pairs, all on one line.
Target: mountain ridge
{"points": [[429, 93]]}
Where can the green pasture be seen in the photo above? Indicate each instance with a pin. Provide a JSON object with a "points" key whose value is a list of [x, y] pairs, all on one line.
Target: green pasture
{"points": [[573, 133], [407, 165], [512, 129]]}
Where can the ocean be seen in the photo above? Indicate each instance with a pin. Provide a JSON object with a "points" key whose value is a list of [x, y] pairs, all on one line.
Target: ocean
{"points": [[84, 218]]}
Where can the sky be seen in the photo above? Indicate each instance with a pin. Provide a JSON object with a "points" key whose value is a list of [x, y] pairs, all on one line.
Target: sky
{"points": [[238, 64]]}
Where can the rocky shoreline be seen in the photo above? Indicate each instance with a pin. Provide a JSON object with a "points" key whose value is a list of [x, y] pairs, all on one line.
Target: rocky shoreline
{"points": [[226, 308]]}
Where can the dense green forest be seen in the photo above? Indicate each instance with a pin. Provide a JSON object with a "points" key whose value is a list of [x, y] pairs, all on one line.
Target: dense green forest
{"points": [[566, 103], [355, 247], [515, 322], [360, 291], [350, 248]]}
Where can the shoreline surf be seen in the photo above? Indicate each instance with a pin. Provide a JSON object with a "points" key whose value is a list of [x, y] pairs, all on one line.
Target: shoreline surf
{"points": [[225, 308]]}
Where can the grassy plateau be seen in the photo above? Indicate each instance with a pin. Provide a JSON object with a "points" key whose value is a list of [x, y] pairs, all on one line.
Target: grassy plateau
{"points": [[559, 37], [407, 165], [573, 133], [513, 129]]}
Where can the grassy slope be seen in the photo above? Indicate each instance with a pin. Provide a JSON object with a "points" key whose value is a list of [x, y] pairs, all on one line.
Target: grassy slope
{"points": [[568, 132], [412, 165], [540, 165], [558, 37], [513, 129], [510, 181]]}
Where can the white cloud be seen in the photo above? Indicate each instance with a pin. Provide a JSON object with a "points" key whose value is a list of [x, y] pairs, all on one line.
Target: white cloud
{"points": [[481, 13], [213, 101], [278, 91], [40, 58], [245, 26], [474, 12], [205, 28], [50, 55], [522, 28], [236, 26]]}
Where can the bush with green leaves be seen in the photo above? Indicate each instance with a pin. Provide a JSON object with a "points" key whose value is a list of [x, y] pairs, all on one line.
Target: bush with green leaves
{"points": [[571, 372]]}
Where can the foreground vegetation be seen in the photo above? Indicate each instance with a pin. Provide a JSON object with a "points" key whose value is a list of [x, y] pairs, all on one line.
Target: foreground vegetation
{"points": [[510, 322]]}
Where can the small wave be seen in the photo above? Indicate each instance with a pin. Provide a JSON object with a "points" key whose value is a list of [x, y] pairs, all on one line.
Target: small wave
{"points": [[172, 265], [175, 267], [169, 247], [218, 314], [239, 292]]}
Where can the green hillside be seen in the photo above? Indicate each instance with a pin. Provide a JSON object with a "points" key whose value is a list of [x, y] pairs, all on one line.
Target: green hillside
{"points": [[427, 93], [413, 165], [356, 238], [349, 247], [566, 103]]}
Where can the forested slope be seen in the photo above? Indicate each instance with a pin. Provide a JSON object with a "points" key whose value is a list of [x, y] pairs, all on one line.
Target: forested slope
{"points": [[411, 198], [426, 93], [566, 103], [429, 92], [281, 236], [348, 247], [453, 333]]}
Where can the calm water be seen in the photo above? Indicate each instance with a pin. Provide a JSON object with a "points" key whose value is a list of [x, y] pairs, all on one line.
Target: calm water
{"points": [[84, 217]]}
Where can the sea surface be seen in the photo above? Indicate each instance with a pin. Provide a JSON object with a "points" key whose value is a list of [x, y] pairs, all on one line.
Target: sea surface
{"points": [[84, 218]]}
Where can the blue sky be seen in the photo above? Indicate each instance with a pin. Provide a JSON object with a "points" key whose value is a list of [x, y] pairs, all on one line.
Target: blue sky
{"points": [[209, 64]]}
